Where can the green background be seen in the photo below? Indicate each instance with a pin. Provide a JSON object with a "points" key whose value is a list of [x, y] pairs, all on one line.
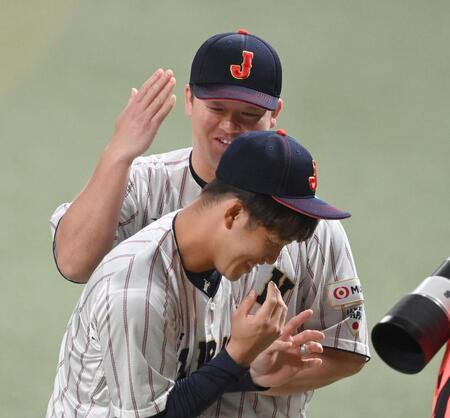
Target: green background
{"points": [[366, 89]]}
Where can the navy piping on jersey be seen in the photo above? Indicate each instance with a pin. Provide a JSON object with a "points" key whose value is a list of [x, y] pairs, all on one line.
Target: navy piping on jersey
{"points": [[55, 258], [207, 281], [202, 183]]}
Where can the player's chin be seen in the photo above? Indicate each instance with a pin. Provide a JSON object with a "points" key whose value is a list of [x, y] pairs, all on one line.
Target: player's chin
{"points": [[239, 272]]}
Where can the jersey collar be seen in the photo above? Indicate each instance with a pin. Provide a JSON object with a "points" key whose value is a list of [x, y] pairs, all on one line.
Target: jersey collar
{"points": [[202, 183], [206, 281]]}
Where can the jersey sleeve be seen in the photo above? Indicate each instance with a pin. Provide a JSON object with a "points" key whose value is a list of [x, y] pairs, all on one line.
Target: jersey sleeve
{"points": [[138, 343], [54, 223], [333, 290], [56, 217], [139, 206], [149, 195]]}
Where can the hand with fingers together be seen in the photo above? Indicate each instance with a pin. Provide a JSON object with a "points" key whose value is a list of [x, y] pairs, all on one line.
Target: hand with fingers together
{"points": [[138, 123], [290, 354], [252, 334]]}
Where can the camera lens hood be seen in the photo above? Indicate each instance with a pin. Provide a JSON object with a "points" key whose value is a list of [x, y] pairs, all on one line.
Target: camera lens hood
{"points": [[414, 330]]}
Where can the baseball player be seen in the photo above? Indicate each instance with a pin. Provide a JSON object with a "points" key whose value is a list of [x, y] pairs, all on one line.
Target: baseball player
{"points": [[234, 87], [155, 313]]}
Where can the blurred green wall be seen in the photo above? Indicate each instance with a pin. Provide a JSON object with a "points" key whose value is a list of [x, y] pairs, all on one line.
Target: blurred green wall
{"points": [[366, 89]]}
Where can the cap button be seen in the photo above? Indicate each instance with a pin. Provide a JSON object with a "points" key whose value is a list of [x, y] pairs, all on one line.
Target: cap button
{"points": [[281, 132], [244, 32]]}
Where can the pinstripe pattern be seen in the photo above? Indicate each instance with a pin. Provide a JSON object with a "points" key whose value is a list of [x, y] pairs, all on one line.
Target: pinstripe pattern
{"points": [[127, 336], [183, 185], [165, 317], [138, 312], [162, 183], [275, 408], [82, 368], [311, 266], [110, 346], [129, 220], [145, 217]]}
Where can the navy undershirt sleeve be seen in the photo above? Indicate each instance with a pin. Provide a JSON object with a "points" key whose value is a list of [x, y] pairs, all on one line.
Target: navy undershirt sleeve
{"points": [[194, 394], [246, 384]]}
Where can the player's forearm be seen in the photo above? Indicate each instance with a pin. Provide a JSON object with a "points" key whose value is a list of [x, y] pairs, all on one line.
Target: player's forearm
{"points": [[87, 230], [336, 365], [194, 394]]}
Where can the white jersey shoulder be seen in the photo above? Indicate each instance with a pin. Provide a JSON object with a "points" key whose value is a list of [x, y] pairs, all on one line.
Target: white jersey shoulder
{"points": [[158, 184]]}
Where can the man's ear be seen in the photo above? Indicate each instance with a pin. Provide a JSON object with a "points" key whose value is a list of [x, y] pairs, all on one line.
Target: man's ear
{"points": [[275, 113], [188, 100], [233, 213]]}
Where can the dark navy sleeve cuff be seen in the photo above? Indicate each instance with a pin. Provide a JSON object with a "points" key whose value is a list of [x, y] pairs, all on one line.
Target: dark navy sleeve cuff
{"points": [[246, 384], [194, 394]]}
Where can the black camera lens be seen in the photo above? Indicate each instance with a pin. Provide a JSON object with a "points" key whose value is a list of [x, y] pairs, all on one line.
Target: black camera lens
{"points": [[416, 328]]}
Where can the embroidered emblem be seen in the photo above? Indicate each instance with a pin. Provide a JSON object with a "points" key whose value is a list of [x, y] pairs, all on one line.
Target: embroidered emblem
{"points": [[242, 71], [354, 317], [313, 179]]}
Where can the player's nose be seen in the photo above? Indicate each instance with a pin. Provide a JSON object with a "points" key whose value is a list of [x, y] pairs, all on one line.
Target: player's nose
{"points": [[229, 124]]}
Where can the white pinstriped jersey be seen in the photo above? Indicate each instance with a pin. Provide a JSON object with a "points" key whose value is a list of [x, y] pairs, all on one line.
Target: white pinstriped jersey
{"points": [[138, 326], [319, 274], [158, 184], [308, 275]]}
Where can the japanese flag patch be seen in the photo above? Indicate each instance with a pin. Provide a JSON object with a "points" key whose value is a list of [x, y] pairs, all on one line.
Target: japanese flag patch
{"points": [[345, 293], [354, 317]]}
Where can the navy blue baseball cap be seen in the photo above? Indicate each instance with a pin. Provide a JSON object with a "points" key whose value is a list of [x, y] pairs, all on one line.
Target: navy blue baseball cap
{"points": [[237, 66], [275, 164]]}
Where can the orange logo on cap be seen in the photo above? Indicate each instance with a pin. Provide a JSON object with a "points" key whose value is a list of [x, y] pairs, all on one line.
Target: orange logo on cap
{"points": [[242, 71], [313, 179]]}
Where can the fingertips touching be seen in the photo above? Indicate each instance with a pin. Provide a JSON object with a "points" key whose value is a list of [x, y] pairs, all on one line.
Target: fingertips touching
{"points": [[313, 348], [313, 362]]}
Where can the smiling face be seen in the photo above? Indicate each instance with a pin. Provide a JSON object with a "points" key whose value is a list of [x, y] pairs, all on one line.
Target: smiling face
{"points": [[215, 123], [242, 245]]}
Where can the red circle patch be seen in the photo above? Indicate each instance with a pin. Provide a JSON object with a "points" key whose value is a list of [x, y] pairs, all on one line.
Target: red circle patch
{"points": [[341, 292]]}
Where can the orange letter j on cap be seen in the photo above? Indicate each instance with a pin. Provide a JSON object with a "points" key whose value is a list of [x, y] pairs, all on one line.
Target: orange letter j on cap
{"points": [[313, 179], [242, 71]]}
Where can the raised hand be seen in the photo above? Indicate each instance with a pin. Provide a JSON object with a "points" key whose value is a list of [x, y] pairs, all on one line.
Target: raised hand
{"points": [[251, 334], [283, 359], [138, 123]]}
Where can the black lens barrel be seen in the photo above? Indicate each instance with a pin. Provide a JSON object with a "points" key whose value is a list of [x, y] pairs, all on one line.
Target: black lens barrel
{"points": [[414, 330]]}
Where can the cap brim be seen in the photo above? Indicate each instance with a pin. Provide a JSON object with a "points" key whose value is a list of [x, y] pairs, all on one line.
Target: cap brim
{"points": [[238, 93], [313, 207]]}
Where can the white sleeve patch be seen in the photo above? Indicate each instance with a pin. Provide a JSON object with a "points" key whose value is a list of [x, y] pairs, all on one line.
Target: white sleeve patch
{"points": [[345, 293], [354, 317]]}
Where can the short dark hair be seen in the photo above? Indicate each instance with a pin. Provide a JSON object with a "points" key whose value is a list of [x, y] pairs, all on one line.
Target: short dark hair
{"points": [[264, 211]]}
